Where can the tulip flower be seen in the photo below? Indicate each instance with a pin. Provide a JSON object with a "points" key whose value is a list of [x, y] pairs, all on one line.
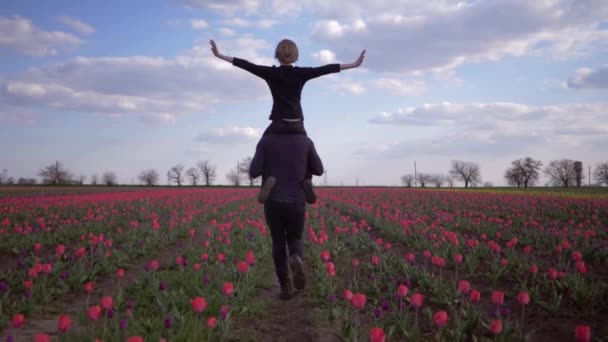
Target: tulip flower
{"points": [[440, 318], [496, 327], [358, 300], [198, 304], [243, 266], [375, 260], [64, 323], [40, 337], [417, 300], [377, 335], [474, 296], [107, 303], [228, 289], [583, 333], [135, 339], [325, 255], [211, 322], [94, 312], [463, 287], [18, 320], [402, 290], [498, 297], [347, 295]]}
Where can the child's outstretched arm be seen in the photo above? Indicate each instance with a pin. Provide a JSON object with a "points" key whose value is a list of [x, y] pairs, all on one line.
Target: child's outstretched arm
{"points": [[355, 64], [217, 53]]}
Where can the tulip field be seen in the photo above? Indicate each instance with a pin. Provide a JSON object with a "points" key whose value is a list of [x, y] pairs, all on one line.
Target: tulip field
{"points": [[382, 264]]}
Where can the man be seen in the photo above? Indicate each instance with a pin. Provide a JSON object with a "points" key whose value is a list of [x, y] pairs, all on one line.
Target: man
{"points": [[287, 157]]}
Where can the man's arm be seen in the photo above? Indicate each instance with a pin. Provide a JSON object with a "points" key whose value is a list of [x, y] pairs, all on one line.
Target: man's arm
{"points": [[355, 64], [315, 165], [257, 163]]}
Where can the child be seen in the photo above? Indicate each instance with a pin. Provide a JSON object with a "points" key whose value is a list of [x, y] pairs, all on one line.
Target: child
{"points": [[286, 83]]}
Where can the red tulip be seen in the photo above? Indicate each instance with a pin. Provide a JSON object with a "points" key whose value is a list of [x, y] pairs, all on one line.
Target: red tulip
{"points": [[331, 269], [325, 255], [40, 337], [402, 290], [347, 295], [64, 323], [458, 258], [250, 258], [426, 254], [355, 262], [410, 257], [464, 287], [204, 257], [120, 273], [180, 261], [358, 300], [498, 297], [80, 252], [18, 320], [527, 250], [581, 267], [474, 296], [220, 257], [94, 312], [228, 289], [154, 265], [440, 318], [577, 256], [552, 274], [197, 266], [496, 326], [107, 303], [211, 322], [243, 266], [198, 304], [60, 250], [135, 339], [88, 286], [533, 269], [417, 300], [375, 260], [377, 335], [28, 284], [37, 246], [523, 298], [583, 333], [504, 262]]}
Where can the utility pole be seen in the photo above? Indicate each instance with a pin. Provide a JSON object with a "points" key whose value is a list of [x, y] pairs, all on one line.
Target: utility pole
{"points": [[415, 177]]}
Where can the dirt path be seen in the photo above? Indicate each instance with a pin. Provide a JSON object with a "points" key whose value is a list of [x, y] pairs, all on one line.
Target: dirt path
{"points": [[74, 303], [280, 321]]}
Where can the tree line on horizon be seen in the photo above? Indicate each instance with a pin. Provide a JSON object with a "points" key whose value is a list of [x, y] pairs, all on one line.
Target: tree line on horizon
{"points": [[523, 172]]}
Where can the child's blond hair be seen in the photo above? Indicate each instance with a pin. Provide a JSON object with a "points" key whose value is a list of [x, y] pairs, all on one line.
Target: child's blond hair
{"points": [[286, 52]]}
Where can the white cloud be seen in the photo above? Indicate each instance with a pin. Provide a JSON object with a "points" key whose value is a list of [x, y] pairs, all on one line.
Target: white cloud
{"points": [[198, 24], [154, 88], [19, 34], [226, 7], [440, 35], [78, 25], [325, 56], [492, 129], [588, 78], [244, 23], [226, 32], [230, 135], [348, 88], [401, 87]]}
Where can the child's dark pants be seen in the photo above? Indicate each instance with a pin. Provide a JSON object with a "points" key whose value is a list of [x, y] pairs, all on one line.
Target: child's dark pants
{"points": [[286, 221]]}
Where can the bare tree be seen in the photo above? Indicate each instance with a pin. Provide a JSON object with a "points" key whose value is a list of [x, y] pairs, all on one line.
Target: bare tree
{"points": [[423, 178], [194, 175], [466, 172], [600, 173], [561, 172], [26, 181], [234, 177], [81, 179], [437, 180], [244, 170], [149, 177], [94, 179], [54, 174], [407, 180], [449, 180], [208, 171], [488, 184], [523, 171], [109, 178], [11, 181], [176, 174]]}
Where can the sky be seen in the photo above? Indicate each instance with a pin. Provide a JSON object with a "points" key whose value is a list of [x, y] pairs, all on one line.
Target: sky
{"points": [[127, 86]]}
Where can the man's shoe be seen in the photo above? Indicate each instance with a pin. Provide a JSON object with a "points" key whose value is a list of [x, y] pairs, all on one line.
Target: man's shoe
{"points": [[266, 188], [309, 193], [295, 263], [285, 293]]}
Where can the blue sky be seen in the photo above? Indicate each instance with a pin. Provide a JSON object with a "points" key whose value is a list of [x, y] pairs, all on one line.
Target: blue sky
{"points": [[132, 85]]}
